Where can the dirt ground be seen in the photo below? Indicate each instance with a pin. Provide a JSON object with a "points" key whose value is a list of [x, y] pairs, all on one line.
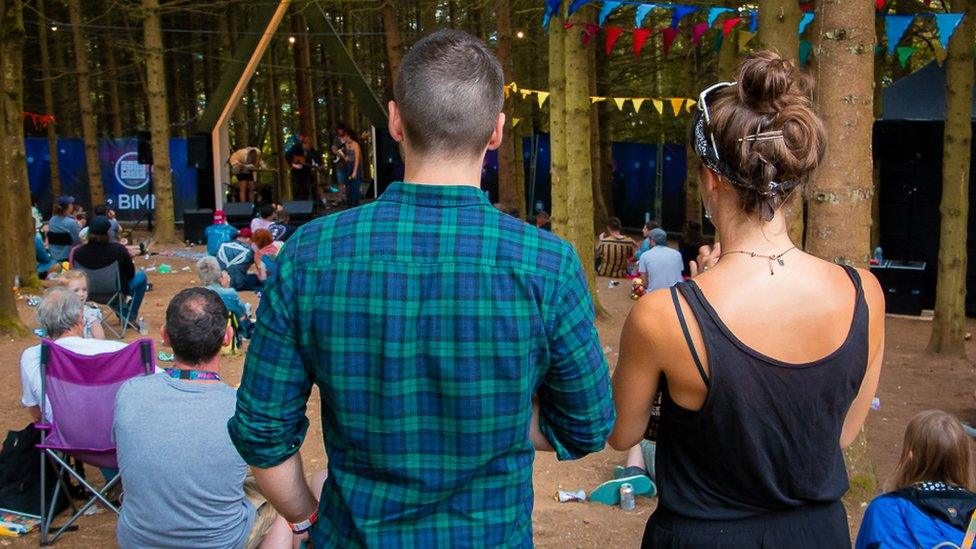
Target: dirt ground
{"points": [[912, 381]]}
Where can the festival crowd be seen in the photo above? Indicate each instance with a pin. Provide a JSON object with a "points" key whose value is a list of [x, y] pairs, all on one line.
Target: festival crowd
{"points": [[450, 341]]}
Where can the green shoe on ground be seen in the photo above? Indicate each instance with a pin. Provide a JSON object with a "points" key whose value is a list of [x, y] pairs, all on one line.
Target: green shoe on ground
{"points": [[608, 493]]}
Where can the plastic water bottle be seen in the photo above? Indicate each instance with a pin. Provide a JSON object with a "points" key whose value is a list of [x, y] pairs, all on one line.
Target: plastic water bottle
{"points": [[143, 327], [879, 255], [247, 310]]}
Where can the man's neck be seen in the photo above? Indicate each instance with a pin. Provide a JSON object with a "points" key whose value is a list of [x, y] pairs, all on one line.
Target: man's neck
{"points": [[74, 332], [434, 171]]}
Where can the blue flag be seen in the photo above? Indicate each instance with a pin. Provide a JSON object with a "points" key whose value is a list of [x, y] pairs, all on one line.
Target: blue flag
{"points": [[607, 8], [805, 49], [895, 27], [947, 23], [805, 21], [753, 21], [713, 14], [679, 13], [575, 6], [552, 8], [642, 11]]}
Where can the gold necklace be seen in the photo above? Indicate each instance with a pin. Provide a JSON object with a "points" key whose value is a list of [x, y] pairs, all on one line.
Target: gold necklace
{"points": [[778, 258]]}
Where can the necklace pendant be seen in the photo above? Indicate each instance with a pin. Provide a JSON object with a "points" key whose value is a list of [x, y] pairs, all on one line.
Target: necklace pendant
{"points": [[780, 261]]}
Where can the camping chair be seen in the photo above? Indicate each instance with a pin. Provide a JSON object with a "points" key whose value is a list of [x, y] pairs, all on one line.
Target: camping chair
{"points": [[60, 239], [81, 392], [105, 288]]}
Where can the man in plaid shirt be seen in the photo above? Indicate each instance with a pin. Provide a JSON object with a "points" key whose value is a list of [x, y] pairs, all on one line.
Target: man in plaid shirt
{"points": [[430, 323]]}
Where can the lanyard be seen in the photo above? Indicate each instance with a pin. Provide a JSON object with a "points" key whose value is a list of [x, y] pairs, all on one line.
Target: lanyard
{"points": [[193, 375]]}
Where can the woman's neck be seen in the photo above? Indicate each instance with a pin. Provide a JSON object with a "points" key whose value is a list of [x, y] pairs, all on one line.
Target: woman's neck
{"points": [[738, 232]]}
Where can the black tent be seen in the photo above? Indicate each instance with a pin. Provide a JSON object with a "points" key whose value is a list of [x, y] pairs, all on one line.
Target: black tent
{"points": [[908, 151]]}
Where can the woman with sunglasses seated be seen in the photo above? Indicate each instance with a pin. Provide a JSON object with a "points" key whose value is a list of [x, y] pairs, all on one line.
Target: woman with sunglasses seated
{"points": [[769, 357]]}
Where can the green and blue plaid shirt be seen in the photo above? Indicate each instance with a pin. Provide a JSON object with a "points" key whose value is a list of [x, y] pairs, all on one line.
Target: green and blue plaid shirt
{"points": [[428, 320]]}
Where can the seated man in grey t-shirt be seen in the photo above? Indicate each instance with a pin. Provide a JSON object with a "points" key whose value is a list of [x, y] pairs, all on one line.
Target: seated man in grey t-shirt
{"points": [[185, 484]]}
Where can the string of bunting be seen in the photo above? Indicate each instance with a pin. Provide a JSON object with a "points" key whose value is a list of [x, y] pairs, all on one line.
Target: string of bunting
{"points": [[40, 121], [678, 104]]}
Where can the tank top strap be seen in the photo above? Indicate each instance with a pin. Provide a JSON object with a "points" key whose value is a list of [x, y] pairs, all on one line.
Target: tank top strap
{"points": [[860, 302], [684, 329]]}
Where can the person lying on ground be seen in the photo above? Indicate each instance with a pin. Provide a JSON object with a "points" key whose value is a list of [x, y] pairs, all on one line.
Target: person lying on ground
{"points": [[428, 320], [931, 494], [185, 485]]}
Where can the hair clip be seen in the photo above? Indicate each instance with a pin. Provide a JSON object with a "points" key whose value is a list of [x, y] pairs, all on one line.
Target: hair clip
{"points": [[763, 136]]}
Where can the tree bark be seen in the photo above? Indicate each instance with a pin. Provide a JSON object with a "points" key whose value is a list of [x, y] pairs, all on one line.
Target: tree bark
{"points": [[511, 190], [778, 23], [949, 326], [158, 121], [68, 123], [557, 127], [277, 132], [52, 134], [391, 34], [600, 214], [693, 204], [88, 127], [839, 209], [15, 219], [428, 15], [115, 106]]}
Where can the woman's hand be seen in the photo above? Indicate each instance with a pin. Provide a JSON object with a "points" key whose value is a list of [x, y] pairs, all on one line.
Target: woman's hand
{"points": [[708, 257], [224, 279]]}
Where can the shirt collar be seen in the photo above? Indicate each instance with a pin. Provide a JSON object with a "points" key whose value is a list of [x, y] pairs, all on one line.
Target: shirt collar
{"points": [[442, 196]]}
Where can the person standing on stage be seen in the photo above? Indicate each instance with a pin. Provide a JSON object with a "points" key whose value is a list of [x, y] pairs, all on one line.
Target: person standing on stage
{"points": [[304, 159], [352, 153], [339, 158], [243, 164]]}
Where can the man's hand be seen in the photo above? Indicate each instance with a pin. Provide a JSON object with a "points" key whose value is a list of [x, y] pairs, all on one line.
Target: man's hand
{"points": [[708, 257]]}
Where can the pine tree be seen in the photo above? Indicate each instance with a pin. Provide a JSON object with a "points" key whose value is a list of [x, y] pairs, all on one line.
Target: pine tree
{"points": [[88, 127], [158, 121]]}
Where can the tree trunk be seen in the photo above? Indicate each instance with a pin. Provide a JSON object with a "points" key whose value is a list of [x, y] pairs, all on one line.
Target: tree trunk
{"points": [[557, 127], [158, 121], [879, 74], [949, 326], [85, 103], [605, 163], [428, 16], [693, 205], [511, 191], [15, 220], [728, 56], [778, 23], [391, 34], [579, 178], [115, 106], [277, 133], [839, 209], [306, 105], [52, 134], [600, 214]]}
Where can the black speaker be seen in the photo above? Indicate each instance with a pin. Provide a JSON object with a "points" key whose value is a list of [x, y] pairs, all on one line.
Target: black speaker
{"points": [[145, 155], [195, 223], [300, 211], [239, 214], [198, 156], [902, 282]]}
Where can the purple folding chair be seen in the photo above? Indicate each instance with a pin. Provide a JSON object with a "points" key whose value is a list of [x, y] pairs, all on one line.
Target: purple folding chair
{"points": [[81, 391]]}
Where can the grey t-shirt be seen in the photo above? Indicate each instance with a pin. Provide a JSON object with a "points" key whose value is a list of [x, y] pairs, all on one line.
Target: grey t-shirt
{"points": [[184, 481], [662, 266], [62, 224]]}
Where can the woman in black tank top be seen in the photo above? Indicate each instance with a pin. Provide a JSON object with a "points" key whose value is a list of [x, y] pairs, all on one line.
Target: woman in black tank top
{"points": [[769, 360]]}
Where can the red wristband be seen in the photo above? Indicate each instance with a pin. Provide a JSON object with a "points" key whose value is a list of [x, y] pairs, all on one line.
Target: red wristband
{"points": [[305, 525]]}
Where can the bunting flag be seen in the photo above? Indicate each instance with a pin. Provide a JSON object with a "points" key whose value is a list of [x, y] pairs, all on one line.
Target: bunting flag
{"points": [[39, 121], [680, 12], [515, 121], [575, 6], [754, 21], [659, 105], [642, 11], [689, 104], [730, 24], [552, 8], [717, 42], [670, 33], [619, 101], [597, 100], [638, 102], [613, 34], [744, 38], [880, 4], [805, 48], [608, 7], [567, 26], [713, 14], [697, 32], [676, 103], [542, 96], [947, 23], [640, 37], [895, 27], [904, 54], [525, 93], [589, 31], [805, 20]]}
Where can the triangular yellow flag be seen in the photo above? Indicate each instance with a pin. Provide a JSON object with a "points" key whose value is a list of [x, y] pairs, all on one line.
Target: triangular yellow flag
{"points": [[676, 103], [525, 93], [659, 105], [597, 99], [620, 102], [514, 86], [689, 104], [638, 101], [515, 121], [744, 38], [542, 97]]}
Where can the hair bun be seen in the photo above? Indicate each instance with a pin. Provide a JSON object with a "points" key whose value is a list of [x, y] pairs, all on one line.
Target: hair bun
{"points": [[767, 81]]}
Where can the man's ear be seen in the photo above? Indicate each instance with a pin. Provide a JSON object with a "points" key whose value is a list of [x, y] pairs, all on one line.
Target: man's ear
{"points": [[396, 123], [498, 134], [228, 335], [165, 335]]}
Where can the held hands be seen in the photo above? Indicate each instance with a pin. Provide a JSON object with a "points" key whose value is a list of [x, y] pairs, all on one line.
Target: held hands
{"points": [[708, 257]]}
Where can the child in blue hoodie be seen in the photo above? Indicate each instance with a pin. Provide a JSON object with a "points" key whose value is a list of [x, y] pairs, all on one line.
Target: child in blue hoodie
{"points": [[932, 498]]}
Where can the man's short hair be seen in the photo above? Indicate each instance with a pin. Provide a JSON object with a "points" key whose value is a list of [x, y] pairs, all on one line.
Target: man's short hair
{"points": [[59, 311], [266, 211], [449, 90], [196, 321], [101, 209], [614, 224], [208, 270], [659, 237]]}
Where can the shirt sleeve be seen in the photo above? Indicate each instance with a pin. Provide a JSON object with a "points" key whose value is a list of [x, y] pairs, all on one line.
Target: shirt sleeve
{"points": [[30, 378], [270, 423], [74, 229], [576, 412], [127, 269]]}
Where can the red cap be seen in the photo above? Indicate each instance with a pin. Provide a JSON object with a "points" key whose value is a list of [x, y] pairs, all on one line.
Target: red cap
{"points": [[244, 233], [219, 217]]}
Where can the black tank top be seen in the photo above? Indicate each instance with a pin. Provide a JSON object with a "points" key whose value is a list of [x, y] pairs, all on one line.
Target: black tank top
{"points": [[767, 437]]}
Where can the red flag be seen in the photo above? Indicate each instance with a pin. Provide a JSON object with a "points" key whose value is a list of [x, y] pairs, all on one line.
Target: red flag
{"points": [[589, 32], [640, 36], [613, 34], [729, 24], [567, 26], [697, 32], [670, 33], [880, 4]]}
